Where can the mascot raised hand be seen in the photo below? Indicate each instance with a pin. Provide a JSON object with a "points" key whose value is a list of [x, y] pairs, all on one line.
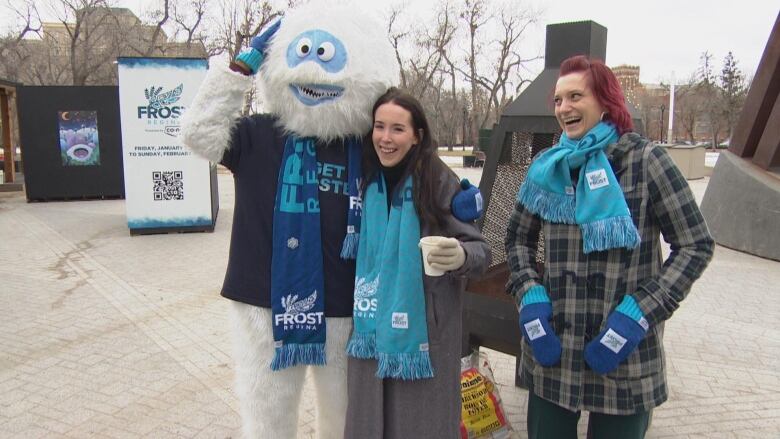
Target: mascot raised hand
{"points": [[291, 270]]}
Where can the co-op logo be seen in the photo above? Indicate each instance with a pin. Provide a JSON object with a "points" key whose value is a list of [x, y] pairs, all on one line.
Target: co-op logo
{"points": [[161, 104]]}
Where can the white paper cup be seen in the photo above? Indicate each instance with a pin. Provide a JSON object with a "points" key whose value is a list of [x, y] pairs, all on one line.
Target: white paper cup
{"points": [[426, 244]]}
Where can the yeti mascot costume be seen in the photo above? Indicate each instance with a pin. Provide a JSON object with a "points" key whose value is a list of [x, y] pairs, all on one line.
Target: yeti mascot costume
{"points": [[297, 204]]}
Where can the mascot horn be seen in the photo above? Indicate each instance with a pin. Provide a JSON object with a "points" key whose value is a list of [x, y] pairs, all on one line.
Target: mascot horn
{"points": [[291, 269]]}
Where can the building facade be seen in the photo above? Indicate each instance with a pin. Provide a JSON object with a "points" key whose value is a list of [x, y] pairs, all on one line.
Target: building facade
{"points": [[83, 51], [628, 76]]}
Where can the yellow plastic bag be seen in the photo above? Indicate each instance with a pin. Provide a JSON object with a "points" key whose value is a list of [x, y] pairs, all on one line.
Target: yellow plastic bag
{"points": [[482, 415]]}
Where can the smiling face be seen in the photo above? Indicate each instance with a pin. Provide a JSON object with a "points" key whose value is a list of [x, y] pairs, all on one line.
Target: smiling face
{"points": [[576, 107], [394, 134]]}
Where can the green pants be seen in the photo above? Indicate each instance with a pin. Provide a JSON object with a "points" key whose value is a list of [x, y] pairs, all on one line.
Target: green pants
{"points": [[547, 420]]}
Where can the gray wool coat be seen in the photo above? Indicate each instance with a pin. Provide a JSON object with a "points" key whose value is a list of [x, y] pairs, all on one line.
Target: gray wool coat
{"points": [[428, 408]]}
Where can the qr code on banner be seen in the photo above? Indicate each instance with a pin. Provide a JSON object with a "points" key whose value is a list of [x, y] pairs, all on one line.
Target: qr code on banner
{"points": [[168, 185]]}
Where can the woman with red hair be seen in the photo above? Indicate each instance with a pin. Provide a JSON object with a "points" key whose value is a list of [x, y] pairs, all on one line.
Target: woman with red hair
{"points": [[593, 323]]}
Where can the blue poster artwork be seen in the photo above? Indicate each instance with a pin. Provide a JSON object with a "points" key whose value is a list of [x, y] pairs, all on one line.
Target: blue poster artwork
{"points": [[79, 145]]}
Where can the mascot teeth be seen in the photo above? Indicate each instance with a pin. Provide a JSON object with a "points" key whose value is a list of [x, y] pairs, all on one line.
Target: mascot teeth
{"points": [[312, 94]]}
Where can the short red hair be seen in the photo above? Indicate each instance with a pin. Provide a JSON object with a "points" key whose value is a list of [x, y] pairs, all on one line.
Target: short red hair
{"points": [[605, 87]]}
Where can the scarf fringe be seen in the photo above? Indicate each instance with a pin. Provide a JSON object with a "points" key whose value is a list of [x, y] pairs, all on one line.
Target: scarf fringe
{"points": [[362, 345], [350, 247], [406, 366], [294, 354], [610, 233], [556, 208]]}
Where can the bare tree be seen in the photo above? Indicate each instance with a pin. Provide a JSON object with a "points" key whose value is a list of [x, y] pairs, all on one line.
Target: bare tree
{"points": [[152, 42], [396, 37], [79, 47], [451, 107], [688, 109], [428, 70], [77, 42], [239, 21], [504, 71], [473, 15], [86, 36], [184, 19], [10, 51], [434, 46], [467, 67], [513, 27], [30, 18], [236, 24], [189, 19], [88, 31], [432, 68]]}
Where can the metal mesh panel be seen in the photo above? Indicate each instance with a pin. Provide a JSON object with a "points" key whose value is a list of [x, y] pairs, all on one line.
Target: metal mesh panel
{"points": [[503, 194]]}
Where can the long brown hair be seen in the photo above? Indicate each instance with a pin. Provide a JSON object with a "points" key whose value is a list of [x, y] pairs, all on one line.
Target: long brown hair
{"points": [[423, 164]]}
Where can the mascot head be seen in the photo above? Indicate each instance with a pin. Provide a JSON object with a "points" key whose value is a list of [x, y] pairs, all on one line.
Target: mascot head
{"points": [[324, 69]]}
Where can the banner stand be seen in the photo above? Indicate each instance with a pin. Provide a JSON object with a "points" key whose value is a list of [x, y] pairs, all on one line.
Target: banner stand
{"points": [[189, 229], [167, 188]]}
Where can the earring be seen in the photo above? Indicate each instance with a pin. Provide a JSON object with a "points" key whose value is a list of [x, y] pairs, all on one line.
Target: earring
{"points": [[603, 113]]}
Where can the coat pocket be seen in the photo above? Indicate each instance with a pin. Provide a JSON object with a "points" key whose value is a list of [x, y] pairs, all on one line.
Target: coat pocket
{"points": [[431, 316], [443, 306]]}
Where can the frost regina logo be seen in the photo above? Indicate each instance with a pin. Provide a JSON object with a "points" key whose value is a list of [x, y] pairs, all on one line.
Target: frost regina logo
{"points": [[296, 313], [161, 114]]}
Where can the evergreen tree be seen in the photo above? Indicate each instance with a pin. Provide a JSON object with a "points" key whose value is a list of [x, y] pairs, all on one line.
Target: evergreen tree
{"points": [[733, 91], [704, 72], [710, 92]]}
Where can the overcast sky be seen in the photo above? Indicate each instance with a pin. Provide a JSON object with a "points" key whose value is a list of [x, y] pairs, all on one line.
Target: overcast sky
{"points": [[660, 36]]}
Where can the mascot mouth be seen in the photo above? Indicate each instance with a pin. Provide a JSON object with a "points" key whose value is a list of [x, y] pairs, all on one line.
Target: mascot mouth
{"points": [[315, 94]]}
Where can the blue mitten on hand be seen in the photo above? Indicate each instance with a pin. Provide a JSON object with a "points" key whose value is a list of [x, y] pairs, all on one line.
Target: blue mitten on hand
{"points": [[535, 315], [467, 204], [622, 334], [252, 57]]}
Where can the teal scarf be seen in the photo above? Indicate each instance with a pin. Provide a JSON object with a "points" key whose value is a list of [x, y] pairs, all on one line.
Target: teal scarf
{"points": [[597, 204], [389, 308]]}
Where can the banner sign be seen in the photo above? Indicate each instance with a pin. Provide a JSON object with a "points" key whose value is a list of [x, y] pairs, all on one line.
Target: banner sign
{"points": [[166, 185]]}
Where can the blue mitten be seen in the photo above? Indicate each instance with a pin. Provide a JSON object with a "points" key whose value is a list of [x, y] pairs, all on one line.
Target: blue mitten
{"points": [[467, 204], [625, 329], [252, 57], [535, 315]]}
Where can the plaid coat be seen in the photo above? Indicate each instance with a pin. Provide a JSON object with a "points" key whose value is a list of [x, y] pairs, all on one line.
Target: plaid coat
{"points": [[584, 289]]}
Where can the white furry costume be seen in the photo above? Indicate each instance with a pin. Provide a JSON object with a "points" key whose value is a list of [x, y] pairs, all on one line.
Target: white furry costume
{"points": [[328, 98]]}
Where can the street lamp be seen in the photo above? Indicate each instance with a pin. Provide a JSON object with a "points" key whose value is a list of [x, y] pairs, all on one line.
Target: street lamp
{"points": [[465, 116], [661, 129]]}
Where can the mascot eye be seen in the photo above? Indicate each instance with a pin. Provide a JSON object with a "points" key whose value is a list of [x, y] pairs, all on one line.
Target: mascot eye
{"points": [[326, 51], [304, 47]]}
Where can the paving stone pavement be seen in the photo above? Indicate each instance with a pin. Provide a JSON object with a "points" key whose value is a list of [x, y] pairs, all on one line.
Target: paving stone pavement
{"points": [[107, 335]]}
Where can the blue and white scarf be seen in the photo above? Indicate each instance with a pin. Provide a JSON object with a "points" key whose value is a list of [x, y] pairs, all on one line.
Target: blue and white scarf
{"points": [[597, 204], [297, 280], [389, 311]]}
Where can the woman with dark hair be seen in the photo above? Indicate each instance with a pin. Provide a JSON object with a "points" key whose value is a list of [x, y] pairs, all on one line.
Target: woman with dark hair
{"points": [[592, 324], [404, 353]]}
